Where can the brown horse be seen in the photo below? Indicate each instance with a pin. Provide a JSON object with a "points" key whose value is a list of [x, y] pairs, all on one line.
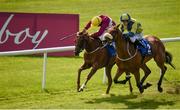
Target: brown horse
{"points": [[95, 56], [131, 60]]}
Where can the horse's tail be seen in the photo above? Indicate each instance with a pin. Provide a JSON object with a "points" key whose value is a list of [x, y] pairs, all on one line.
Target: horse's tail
{"points": [[169, 58]]}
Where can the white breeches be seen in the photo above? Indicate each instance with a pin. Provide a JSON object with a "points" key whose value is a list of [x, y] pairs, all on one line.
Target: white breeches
{"points": [[136, 37]]}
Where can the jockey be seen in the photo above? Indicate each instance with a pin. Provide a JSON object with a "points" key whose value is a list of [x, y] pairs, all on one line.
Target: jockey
{"points": [[131, 29], [102, 21]]}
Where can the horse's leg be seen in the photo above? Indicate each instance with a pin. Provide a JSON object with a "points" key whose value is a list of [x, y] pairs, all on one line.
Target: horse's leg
{"points": [[163, 70], [83, 67], [159, 59], [147, 71], [121, 81], [108, 74], [93, 70], [137, 77], [117, 75], [130, 86], [128, 77]]}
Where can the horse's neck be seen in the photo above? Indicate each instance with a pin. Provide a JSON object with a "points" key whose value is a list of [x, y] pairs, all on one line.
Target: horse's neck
{"points": [[91, 45], [122, 47]]}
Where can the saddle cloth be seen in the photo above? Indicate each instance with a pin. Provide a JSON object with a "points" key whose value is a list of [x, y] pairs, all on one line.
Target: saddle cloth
{"points": [[146, 50], [111, 49]]}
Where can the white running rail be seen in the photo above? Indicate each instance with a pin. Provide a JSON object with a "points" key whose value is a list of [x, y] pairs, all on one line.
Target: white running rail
{"points": [[59, 49], [36, 51]]}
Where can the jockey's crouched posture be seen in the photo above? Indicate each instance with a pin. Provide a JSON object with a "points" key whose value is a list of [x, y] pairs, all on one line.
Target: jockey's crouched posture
{"points": [[104, 22], [132, 30]]}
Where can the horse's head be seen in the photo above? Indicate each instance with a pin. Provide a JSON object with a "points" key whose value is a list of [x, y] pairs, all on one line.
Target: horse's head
{"points": [[80, 42], [115, 32]]}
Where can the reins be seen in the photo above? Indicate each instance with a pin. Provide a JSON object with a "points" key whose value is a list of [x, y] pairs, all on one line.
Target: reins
{"points": [[131, 56], [98, 48]]}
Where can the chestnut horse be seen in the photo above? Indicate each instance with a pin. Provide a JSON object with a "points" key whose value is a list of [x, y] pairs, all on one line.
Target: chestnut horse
{"points": [[130, 59], [95, 56]]}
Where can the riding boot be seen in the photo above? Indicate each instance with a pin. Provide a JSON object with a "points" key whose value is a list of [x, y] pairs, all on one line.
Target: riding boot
{"points": [[128, 77]]}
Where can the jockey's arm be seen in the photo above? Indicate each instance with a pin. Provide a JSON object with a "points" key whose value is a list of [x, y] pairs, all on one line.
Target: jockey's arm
{"points": [[132, 32], [88, 25], [134, 27], [128, 34]]}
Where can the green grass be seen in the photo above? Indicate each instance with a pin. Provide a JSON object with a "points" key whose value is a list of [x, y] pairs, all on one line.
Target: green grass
{"points": [[20, 77]]}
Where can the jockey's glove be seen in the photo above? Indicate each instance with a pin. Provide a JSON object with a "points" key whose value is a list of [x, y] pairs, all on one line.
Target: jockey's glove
{"points": [[130, 34], [127, 35]]}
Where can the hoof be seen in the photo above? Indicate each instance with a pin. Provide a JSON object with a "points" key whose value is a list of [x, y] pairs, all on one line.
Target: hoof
{"points": [[107, 92], [120, 82], [160, 89], [147, 85], [141, 90], [123, 82], [115, 81], [80, 90], [131, 90]]}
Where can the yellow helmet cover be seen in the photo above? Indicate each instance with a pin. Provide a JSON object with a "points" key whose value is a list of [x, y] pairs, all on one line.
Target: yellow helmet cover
{"points": [[96, 21], [125, 16]]}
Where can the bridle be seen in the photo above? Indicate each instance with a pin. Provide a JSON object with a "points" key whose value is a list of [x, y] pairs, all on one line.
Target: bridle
{"points": [[97, 49], [93, 51]]}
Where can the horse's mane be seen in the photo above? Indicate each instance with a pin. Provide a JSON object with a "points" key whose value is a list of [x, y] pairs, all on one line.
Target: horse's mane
{"points": [[89, 38], [95, 39]]}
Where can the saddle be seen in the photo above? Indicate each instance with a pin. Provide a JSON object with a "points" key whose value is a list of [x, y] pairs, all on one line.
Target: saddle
{"points": [[109, 46]]}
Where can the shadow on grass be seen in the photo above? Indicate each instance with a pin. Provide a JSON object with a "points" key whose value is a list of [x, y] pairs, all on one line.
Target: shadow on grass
{"points": [[131, 102]]}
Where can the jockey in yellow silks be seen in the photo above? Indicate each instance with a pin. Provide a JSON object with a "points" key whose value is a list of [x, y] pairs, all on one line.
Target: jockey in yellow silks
{"points": [[131, 29]]}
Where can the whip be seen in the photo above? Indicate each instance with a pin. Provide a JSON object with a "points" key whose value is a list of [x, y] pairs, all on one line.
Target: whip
{"points": [[68, 36]]}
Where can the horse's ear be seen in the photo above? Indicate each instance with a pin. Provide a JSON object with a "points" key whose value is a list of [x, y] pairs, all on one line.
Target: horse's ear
{"points": [[118, 25], [86, 33], [79, 33]]}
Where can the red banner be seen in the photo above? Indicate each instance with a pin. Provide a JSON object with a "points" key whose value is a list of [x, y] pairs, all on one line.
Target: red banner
{"points": [[22, 31]]}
